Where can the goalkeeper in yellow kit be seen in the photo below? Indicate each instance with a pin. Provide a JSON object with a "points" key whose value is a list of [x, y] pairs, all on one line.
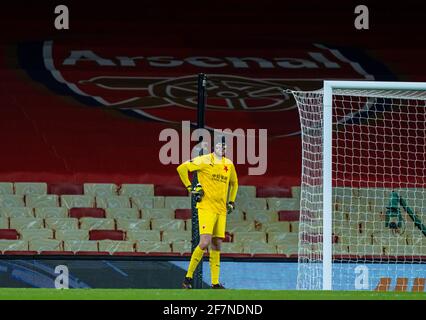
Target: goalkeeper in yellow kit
{"points": [[215, 175]]}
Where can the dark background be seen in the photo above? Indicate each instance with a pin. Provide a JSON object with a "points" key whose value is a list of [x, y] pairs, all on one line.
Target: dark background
{"points": [[236, 23]]}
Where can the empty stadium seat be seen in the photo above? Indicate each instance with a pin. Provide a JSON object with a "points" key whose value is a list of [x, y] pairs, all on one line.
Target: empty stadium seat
{"points": [[72, 234], [146, 235], [182, 247], [158, 213], [80, 245], [87, 212], [32, 234], [188, 224], [61, 223], [286, 215], [273, 192], [8, 201], [167, 224], [6, 188], [77, 201], [89, 223], [183, 214], [340, 217], [238, 226], [294, 226], [296, 192], [236, 215], [402, 251], [147, 202], [122, 213], [251, 204], [113, 246], [259, 247], [169, 190], [133, 224], [349, 229], [340, 249], [231, 247], [365, 250], [171, 236], [10, 234], [45, 245], [100, 189], [4, 223], [288, 250], [280, 226], [263, 216], [66, 188], [106, 235], [19, 223], [177, 202], [42, 201], [416, 239], [13, 245], [368, 227], [348, 239], [152, 246], [137, 190], [243, 237], [17, 212], [113, 202], [30, 188], [245, 192], [49, 212], [283, 238], [289, 204]]}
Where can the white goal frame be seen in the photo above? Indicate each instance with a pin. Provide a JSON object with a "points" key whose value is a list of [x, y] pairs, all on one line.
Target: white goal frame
{"points": [[328, 88]]}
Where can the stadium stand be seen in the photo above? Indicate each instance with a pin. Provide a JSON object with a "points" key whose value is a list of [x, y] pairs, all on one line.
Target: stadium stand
{"points": [[141, 219]]}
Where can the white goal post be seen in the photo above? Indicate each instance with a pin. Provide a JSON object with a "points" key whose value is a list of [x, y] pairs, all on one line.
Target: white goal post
{"points": [[343, 121]]}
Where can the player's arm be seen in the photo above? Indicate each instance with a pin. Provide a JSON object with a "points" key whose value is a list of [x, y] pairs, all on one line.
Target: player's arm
{"points": [[233, 188], [185, 168]]}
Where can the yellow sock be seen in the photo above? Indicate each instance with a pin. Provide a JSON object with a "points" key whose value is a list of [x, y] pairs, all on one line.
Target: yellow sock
{"points": [[214, 265], [196, 257]]}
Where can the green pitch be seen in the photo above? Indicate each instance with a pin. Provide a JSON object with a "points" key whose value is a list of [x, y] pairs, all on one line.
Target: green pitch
{"points": [[207, 294]]}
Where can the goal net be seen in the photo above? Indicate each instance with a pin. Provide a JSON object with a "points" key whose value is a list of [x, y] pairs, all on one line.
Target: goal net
{"points": [[363, 193]]}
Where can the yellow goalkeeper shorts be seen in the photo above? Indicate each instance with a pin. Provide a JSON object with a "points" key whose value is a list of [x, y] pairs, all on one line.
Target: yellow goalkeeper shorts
{"points": [[211, 223]]}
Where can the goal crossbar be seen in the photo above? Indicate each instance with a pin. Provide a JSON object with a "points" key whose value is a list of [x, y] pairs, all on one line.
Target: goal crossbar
{"points": [[329, 86]]}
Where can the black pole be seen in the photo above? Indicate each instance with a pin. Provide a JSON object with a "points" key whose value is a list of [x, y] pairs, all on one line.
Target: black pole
{"points": [[201, 105]]}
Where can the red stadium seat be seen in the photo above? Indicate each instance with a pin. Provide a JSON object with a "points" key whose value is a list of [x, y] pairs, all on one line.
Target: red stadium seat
{"points": [[106, 234], [54, 253], [273, 192], [285, 215], [20, 253], [183, 214], [236, 255], [228, 237], [9, 234], [269, 255], [87, 212], [92, 253], [66, 188], [170, 190]]}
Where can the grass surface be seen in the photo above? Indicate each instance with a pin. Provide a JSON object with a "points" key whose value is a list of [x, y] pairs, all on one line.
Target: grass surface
{"points": [[207, 294]]}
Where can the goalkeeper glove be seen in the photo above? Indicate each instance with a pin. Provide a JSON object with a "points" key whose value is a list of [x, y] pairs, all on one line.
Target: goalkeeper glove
{"points": [[230, 207], [197, 191]]}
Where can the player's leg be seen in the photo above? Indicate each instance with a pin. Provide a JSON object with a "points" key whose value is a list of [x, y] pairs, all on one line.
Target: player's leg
{"points": [[206, 222], [197, 255], [218, 235]]}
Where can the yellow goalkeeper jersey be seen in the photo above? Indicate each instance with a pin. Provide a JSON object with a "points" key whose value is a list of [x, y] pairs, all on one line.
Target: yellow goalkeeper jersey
{"points": [[215, 176]]}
